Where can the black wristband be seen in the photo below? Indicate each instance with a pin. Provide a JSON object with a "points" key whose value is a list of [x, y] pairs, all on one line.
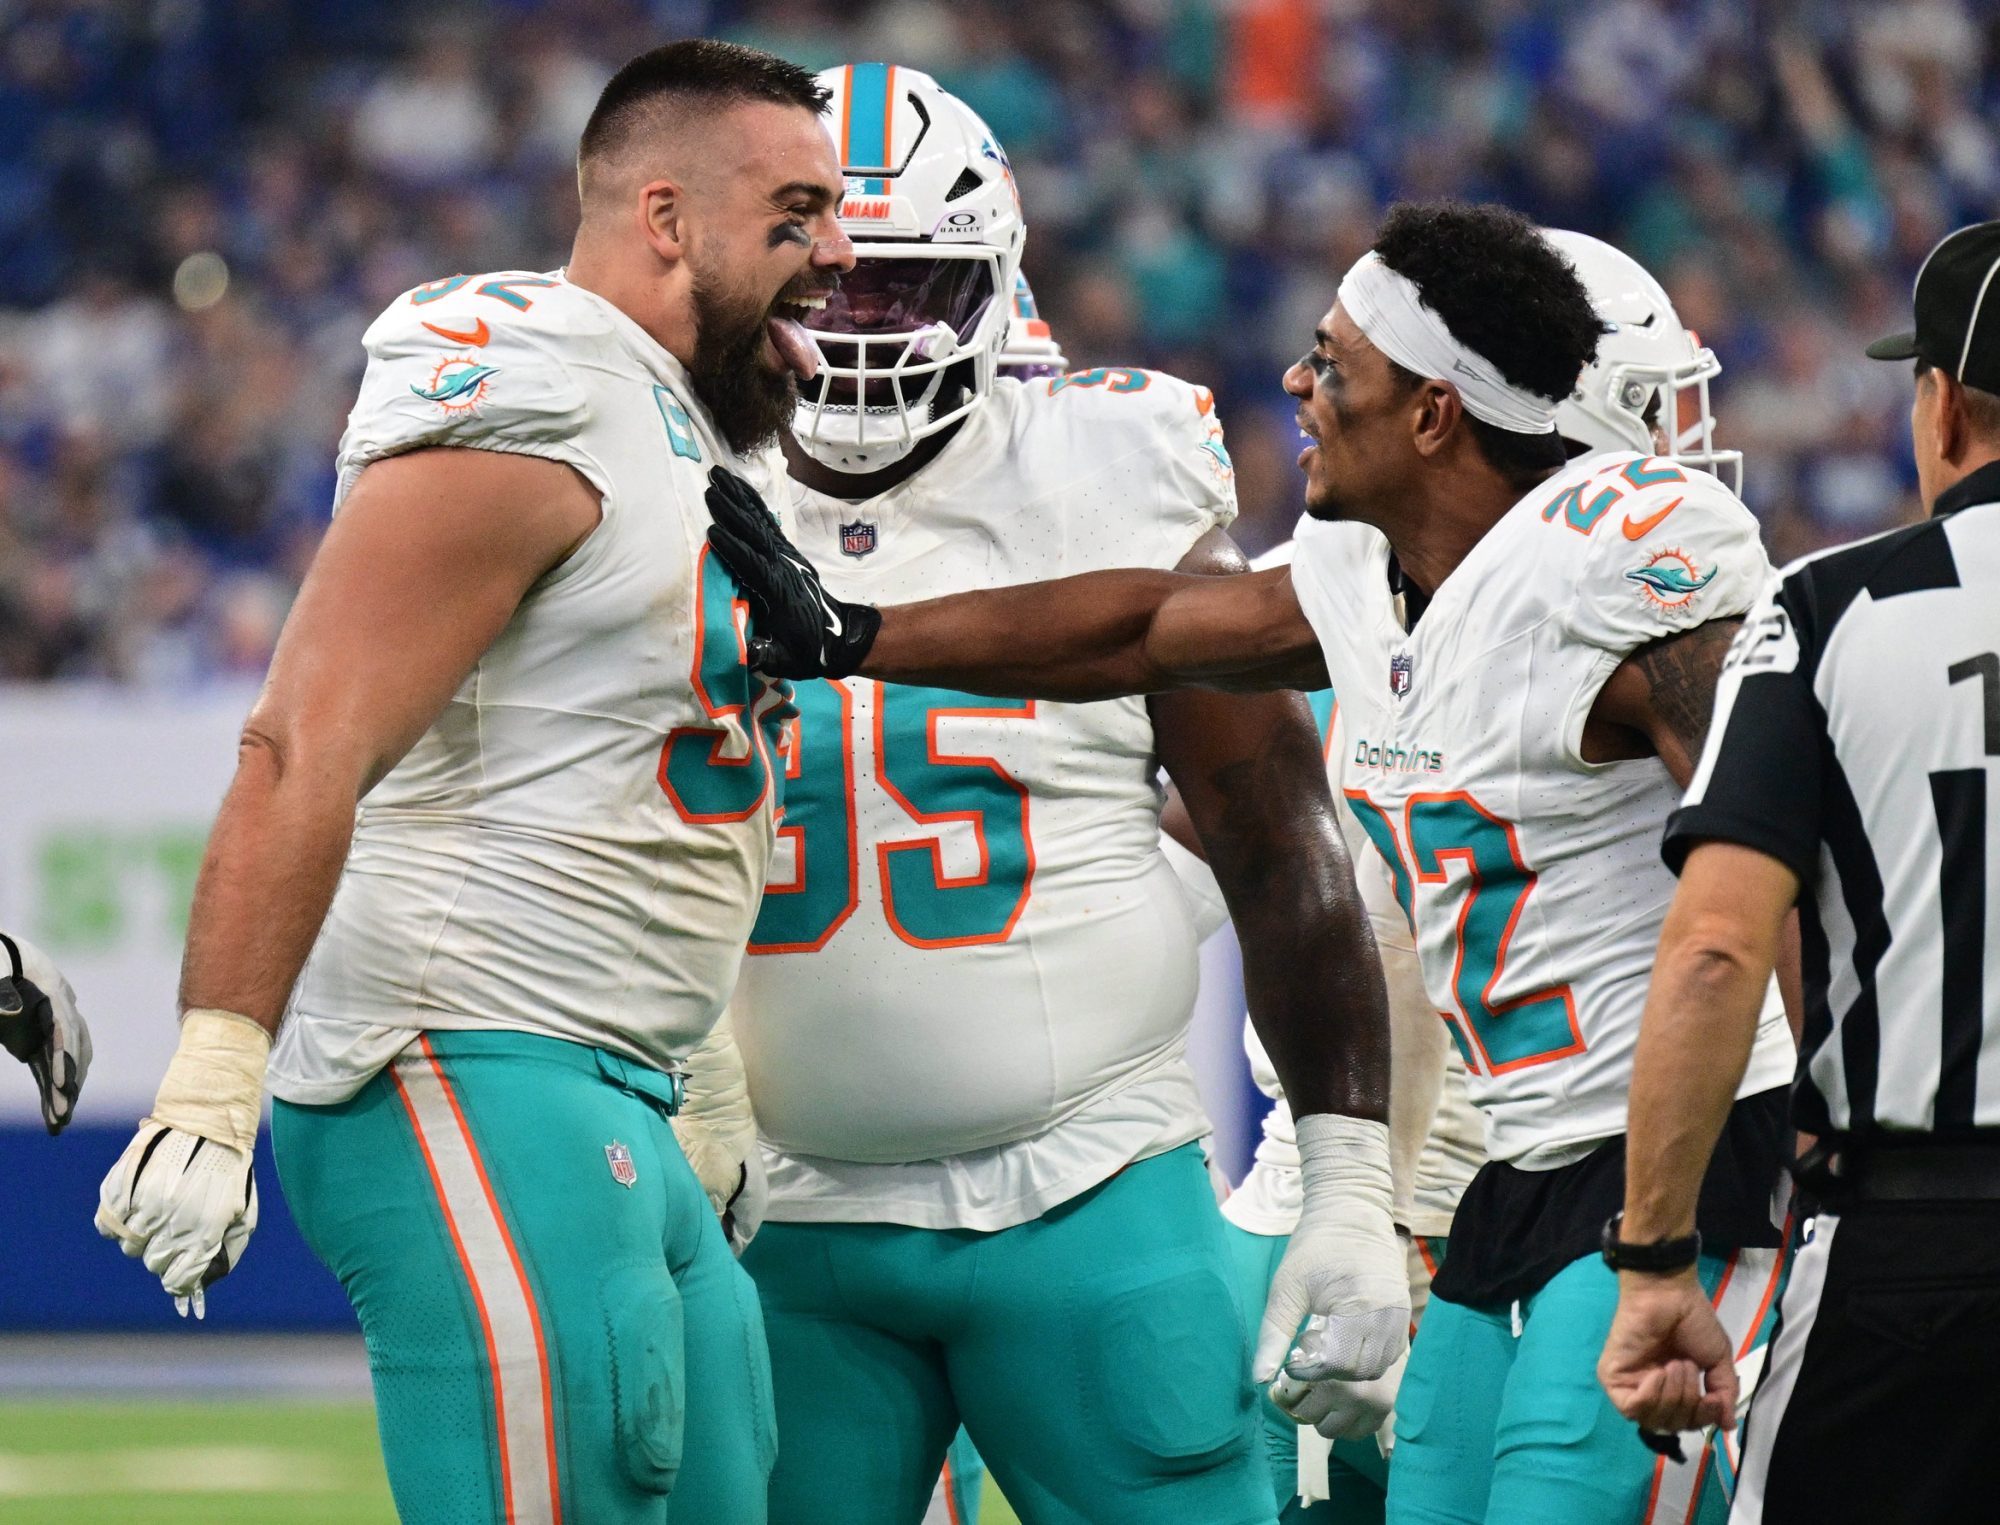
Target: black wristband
{"points": [[1661, 1256], [860, 624]]}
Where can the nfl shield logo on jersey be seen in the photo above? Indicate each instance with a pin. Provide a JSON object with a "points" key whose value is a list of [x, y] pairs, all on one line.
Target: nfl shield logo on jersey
{"points": [[857, 539], [1399, 673], [620, 1158]]}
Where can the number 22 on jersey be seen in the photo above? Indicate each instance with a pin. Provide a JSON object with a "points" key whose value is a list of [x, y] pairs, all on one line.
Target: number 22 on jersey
{"points": [[923, 902], [1495, 1036]]}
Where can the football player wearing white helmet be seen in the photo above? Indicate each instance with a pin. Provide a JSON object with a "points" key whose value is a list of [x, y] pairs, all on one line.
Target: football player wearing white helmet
{"points": [[964, 1015], [1513, 743], [1647, 369], [1646, 389]]}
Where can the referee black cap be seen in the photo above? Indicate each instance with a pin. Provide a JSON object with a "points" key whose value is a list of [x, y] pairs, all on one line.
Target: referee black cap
{"points": [[1957, 306]]}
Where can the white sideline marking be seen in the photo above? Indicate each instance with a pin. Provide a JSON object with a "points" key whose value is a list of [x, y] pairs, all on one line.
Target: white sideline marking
{"points": [[165, 1469]]}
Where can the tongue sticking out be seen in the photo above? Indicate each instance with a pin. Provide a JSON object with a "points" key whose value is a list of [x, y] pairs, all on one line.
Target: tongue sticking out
{"points": [[794, 346]]}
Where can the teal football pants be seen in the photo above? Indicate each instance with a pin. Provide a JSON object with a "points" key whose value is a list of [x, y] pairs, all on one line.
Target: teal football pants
{"points": [[1357, 1475], [556, 1328], [1502, 1422], [1097, 1356]]}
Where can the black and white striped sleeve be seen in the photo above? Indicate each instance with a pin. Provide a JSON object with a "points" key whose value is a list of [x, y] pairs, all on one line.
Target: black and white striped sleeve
{"points": [[1758, 781]]}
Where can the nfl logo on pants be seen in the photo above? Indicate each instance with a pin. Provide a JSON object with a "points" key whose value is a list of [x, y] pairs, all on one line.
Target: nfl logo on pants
{"points": [[620, 1159], [857, 539]]}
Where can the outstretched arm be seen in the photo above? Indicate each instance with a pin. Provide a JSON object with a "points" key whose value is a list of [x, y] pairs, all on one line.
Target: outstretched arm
{"points": [[1105, 634], [1098, 636]]}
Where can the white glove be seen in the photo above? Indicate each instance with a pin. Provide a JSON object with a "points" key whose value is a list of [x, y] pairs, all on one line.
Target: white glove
{"points": [[1344, 1262], [182, 1196], [718, 1134], [1343, 1410], [41, 1027]]}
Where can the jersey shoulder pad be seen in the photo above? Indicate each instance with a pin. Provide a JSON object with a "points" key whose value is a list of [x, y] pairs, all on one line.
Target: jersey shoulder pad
{"points": [[1669, 548], [1116, 413], [478, 360]]}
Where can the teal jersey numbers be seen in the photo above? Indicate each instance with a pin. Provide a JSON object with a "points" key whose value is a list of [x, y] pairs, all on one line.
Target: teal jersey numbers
{"points": [[720, 771], [924, 902], [927, 906]]}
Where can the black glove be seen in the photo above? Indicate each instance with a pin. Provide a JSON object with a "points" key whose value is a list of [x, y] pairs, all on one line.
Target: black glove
{"points": [[41, 1027], [797, 628]]}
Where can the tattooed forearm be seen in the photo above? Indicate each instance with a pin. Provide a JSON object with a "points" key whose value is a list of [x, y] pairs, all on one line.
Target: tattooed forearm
{"points": [[1681, 672]]}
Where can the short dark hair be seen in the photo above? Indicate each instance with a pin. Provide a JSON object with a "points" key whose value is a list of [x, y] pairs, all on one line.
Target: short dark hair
{"points": [[1508, 295], [695, 69]]}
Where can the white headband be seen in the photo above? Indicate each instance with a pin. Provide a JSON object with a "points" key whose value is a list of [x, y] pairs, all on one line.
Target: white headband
{"points": [[1387, 308]]}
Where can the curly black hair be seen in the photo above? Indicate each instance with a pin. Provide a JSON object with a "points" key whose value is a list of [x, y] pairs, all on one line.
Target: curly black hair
{"points": [[1505, 293], [694, 69]]}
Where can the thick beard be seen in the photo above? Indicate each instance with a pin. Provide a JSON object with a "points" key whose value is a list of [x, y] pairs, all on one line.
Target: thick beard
{"points": [[750, 403]]}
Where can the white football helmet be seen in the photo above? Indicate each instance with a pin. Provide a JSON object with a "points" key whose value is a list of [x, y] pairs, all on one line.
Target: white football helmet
{"points": [[936, 221], [1031, 350], [1648, 387]]}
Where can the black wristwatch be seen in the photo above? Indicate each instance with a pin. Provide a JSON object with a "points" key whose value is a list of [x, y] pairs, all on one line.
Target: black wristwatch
{"points": [[1662, 1255]]}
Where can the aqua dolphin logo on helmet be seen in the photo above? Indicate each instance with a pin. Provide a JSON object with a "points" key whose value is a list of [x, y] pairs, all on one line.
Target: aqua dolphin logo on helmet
{"points": [[912, 340], [1649, 372]]}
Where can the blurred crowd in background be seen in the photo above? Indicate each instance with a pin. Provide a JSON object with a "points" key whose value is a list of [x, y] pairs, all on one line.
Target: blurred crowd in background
{"points": [[203, 203]]}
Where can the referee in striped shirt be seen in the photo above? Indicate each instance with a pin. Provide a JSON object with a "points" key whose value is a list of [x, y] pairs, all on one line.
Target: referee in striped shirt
{"points": [[1853, 767]]}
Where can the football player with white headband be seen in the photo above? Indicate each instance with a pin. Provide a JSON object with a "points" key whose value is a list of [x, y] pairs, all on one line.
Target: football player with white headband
{"points": [[1525, 647], [1648, 368], [965, 1009]]}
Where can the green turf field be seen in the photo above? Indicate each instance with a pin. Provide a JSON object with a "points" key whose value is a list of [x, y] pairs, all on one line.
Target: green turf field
{"points": [[193, 1463]]}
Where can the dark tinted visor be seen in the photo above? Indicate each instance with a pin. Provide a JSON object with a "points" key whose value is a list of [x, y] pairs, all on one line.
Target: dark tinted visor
{"points": [[881, 296]]}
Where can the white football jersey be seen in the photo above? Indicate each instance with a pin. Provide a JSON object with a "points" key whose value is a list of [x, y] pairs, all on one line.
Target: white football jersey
{"points": [[576, 845], [1432, 1167], [1533, 878], [971, 951]]}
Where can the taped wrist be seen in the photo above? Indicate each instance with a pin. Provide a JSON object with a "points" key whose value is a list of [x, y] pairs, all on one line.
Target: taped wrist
{"points": [[1345, 1160], [214, 1085]]}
